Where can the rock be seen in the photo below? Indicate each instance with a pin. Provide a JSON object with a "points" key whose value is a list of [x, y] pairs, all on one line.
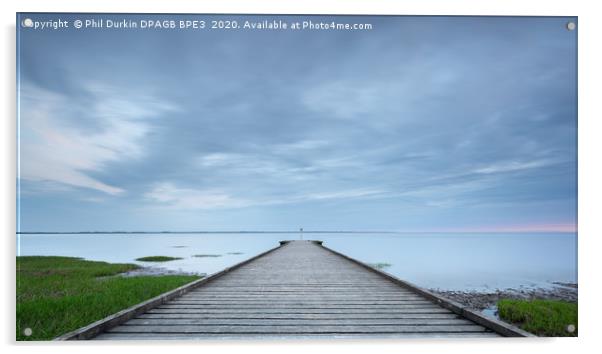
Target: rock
{"points": [[483, 300]]}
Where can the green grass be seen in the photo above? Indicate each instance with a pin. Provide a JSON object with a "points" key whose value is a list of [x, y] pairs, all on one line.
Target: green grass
{"points": [[157, 259], [207, 255], [379, 265], [547, 318], [56, 295]]}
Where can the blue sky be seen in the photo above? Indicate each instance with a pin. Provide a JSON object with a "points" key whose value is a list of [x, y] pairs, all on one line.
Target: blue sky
{"points": [[421, 124]]}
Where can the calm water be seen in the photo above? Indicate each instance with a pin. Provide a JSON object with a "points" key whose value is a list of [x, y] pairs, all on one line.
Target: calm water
{"points": [[444, 261]]}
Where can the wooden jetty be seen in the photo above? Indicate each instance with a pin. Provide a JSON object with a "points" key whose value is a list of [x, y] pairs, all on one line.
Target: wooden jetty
{"points": [[299, 289]]}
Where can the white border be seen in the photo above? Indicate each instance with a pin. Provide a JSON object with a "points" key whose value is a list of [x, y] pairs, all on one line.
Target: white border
{"points": [[589, 162]]}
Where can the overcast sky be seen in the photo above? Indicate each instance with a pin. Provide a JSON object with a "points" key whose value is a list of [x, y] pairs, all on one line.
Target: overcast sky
{"points": [[421, 124]]}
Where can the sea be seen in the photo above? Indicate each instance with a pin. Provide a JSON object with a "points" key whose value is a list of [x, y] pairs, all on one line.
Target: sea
{"points": [[441, 261]]}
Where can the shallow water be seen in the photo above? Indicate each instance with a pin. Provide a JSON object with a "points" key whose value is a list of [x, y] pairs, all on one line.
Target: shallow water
{"points": [[443, 261], [491, 311]]}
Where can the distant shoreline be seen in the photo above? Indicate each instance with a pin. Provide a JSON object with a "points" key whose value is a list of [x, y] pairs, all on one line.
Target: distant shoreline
{"points": [[198, 232], [286, 232]]}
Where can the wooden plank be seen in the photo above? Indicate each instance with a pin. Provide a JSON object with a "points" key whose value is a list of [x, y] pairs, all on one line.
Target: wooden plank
{"points": [[171, 305], [297, 311], [308, 316], [254, 283], [277, 329], [258, 291], [246, 337], [278, 302], [296, 322], [325, 299], [313, 288], [304, 301], [263, 293], [329, 297], [316, 290]]}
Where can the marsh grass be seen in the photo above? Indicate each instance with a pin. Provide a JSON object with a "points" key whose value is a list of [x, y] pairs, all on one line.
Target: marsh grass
{"points": [[547, 318], [379, 265], [56, 295], [206, 255], [157, 259]]}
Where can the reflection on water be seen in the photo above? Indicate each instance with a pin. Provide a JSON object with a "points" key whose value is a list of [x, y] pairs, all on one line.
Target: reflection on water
{"points": [[445, 261]]}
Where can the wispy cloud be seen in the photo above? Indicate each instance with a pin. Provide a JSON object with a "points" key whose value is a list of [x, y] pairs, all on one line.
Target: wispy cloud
{"points": [[65, 141], [513, 166], [342, 99], [344, 194], [306, 144], [387, 97], [168, 195]]}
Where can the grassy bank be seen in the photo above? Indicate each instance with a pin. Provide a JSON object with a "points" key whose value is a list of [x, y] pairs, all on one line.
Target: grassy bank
{"points": [[548, 318], [157, 259], [56, 295]]}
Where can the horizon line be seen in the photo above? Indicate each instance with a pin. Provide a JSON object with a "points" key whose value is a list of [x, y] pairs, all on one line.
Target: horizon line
{"points": [[473, 231]]}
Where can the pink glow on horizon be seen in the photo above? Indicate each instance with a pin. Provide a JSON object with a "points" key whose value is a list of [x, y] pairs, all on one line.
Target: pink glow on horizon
{"points": [[515, 228]]}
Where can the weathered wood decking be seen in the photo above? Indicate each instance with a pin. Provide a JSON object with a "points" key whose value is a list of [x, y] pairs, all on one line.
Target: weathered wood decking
{"points": [[300, 290]]}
